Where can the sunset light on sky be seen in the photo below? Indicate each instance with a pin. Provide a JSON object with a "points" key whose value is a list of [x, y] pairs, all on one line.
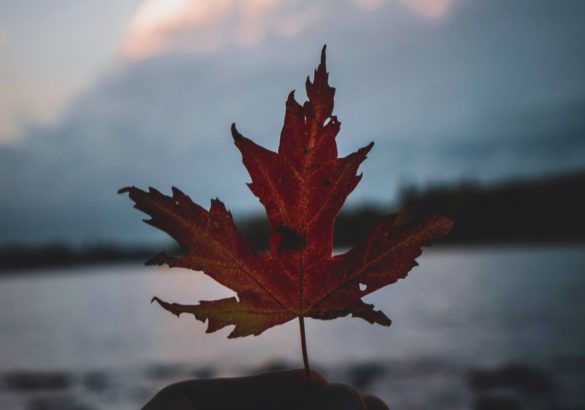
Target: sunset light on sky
{"points": [[42, 78], [157, 25]]}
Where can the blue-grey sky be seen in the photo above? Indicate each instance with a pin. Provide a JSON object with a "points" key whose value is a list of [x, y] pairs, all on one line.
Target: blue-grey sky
{"points": [[51, 51], [112, 93]]}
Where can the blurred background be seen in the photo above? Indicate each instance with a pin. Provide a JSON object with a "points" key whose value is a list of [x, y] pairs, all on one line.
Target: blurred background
{"points": [[477, 110]]}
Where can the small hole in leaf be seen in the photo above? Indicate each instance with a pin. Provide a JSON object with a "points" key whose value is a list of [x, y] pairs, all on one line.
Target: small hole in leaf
{"points": [[327, 121], [363, 287]]}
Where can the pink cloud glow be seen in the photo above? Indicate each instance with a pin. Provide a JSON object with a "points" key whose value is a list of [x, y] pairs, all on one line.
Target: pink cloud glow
{"points": [[160, 26], [429, 8], [203, 25]]}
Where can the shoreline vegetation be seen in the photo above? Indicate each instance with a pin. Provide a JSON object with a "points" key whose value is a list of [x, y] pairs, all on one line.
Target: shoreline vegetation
{"points": [[546, 210]]}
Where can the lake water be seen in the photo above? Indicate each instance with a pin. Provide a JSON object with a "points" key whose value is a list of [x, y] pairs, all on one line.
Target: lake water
{"points": [[462, 309]]}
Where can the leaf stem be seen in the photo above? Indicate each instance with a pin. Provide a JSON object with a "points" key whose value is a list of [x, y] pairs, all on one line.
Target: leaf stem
{"points": [[304, 348]]}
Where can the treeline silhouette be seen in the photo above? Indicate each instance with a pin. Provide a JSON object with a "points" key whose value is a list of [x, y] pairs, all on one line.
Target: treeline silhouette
{"points": [[543, 210], [18, 256], [530, 211]]}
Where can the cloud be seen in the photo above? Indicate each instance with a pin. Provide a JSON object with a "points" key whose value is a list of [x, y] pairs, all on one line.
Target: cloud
{"points": [[3, 36], [432, 9], [429, 8], [181, 25], [162, 26]]}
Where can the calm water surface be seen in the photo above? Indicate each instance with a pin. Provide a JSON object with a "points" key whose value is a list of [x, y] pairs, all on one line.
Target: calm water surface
{"points": [[461, 309]]}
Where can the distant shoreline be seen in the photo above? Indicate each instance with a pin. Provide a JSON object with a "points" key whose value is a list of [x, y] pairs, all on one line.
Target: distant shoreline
{"points": [[33, 266], [543, 211]]}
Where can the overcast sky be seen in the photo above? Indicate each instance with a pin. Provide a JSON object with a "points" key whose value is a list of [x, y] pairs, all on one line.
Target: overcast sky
{"points": [[96, 95]]}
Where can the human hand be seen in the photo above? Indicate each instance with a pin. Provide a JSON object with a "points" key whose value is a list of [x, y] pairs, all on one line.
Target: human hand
{"points": [[280, 390]]}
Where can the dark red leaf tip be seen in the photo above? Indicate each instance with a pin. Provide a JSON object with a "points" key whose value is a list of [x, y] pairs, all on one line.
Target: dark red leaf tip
{"points": [[235, 133]]}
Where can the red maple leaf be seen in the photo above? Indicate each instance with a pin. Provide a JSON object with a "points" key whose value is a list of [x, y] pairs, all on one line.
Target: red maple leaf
{"points": [[302, 186]]}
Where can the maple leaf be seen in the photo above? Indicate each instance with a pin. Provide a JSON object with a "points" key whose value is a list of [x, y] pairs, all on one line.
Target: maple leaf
{"points": [[303, 187]]}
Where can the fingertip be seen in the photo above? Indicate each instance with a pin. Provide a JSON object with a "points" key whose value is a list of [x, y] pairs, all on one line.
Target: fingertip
{"points": [[317, 378], [173, 397], [374, 403]]}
